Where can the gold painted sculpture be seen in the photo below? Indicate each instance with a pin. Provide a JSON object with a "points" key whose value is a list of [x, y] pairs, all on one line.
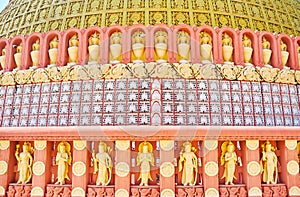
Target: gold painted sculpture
{"points": [[115, 47], [94, 48], [138, 45], [227, 48], [144, 159], [205, 47], [267, 52], [228, 160], [183, 46], [189, 167], [161, 45], [24, 162], [268, 163], [73, 49], [248, 50], [53, 51], [63, 160], [35, 53], [3, 58], [104, 168], [284, 53], [18, 56]]}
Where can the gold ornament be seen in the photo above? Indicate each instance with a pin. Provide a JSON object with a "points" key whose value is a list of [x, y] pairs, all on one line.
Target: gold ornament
{"points": [[3, 167], [253, 168], [38, 168], [78, 192], [166, 145], [40, 144], [167, 169], [254, 191], [4, 144], [167, 193], [79, 168], [123, 144], [211, 168], [2, 191], [79, 144], [37, 191], [211, 144], [294, 191], [122, 169], [293, 167], [121, 193], [211, 192], [252, 144], [291, 144]]}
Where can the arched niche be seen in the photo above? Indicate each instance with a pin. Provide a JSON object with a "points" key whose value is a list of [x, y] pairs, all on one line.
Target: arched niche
{"points": [[214, 37], [236, 49], [67, 35], [87, 34], [138, 37], [180, 46], [125, 51], [291, 62], [297, 51], [153, 56], [254, 45], [273, 46], [15, 42], [4, 45], [48, 38], [30, 40]]}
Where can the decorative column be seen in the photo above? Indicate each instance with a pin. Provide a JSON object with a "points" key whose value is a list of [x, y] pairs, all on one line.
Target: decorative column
{"points": [[167, 170], [122, 169], [42, 161], [79, 171], [211, 168], [6, 176], [251, 159], [290, 172]]}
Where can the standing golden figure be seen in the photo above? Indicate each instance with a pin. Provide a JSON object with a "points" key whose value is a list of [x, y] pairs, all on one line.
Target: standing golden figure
{"points": [[227, 48], [190, 164], [63, 160], [268, 163], [104, 168], [144, 159], [228, 160], [206, 47], [24, 162]]}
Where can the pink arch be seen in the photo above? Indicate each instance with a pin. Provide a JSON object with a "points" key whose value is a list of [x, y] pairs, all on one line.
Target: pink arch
{"points": [[253, 37], [236, 49], [48, 37], [32, 38], [191, 32], [85, 44], [4, 44], [65, 44], [290, 48], [296, 44], [11, 61], [154, 29], [106, 42], [212, 32], [271, 38]]}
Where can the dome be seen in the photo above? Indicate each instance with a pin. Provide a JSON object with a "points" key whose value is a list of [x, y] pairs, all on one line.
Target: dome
{"points": [[27, 16]]}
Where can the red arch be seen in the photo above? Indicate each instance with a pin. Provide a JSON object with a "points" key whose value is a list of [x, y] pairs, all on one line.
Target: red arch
{"points": [[65, 44], [254, 40], [236, 49], [290, 48], [212, 32], [85, 44], [4, 44], [271, 38], [48, 37], [11, 61], [296, 44], [32, 38], [154, 29]]}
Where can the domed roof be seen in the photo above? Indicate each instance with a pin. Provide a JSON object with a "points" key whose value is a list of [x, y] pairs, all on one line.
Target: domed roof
{"points": [[27, 16]]}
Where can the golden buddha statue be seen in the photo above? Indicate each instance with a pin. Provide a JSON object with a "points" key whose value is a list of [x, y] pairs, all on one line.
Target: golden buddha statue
{"points": [[227, 48], [73, 49], [19, 48], [228, 160], [53, 51], [183, 46], [161, 45], [283, 46], [205, 47], [18, 56], [284, 54], [267, 52], [248, 50], [54, 43], [94, 48], [188, 164], [63, 160], [268, 163], [102, 164], [35, 53], [24, 162], [138, 45], [3, 58], [145, 159], [115, 47], [36, 45]]}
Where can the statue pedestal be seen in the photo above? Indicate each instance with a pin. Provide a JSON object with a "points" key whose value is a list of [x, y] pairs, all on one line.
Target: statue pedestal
{"points": [[284, 57], [267, 55], [115, 51], [35, 57], [227, 53], [94, 53], [183, 51], [2, 61], [247, 54], [53, 55], [73, 54], [161, 49], [18, 59], [205, 52], [138, 50]]}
